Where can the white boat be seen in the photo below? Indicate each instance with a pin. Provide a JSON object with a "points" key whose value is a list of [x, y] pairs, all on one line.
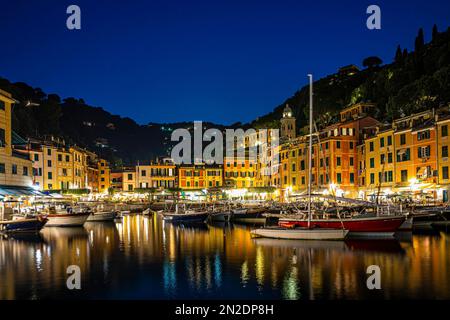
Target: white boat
{"points": [[300, 233], [102, 216], [67, 219]]}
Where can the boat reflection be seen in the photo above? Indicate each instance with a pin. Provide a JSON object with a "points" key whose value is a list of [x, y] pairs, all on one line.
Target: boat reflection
{"points": [[369, 245], [145, 258]]}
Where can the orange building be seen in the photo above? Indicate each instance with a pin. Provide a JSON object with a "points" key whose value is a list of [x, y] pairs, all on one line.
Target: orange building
{"points": [[192, 177], [334, 159], [116, 182], [416, 152]]}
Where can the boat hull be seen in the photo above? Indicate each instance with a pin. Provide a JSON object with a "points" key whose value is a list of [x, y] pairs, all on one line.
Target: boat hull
{"points": [[102, 216], [185, 217], [407, 225], [357, 227], [24, 225], [252, 218], [67, 220], [220, 217], [301, 233], [425, 221]]}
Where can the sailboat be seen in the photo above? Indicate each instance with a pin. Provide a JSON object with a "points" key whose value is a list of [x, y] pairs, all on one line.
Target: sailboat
{"points": [[310, 232]]}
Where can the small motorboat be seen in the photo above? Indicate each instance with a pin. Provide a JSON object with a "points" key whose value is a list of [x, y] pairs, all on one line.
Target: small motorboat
{"points": [[300, 233], [251, 216], [23, 224], [102, 216], [186, 216], [220, 216], [424, 220]]}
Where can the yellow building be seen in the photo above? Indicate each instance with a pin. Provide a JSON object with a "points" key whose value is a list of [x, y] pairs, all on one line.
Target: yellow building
{"points": [[15, 168], [79, 160], [443, 163], [56, 166], [103, 175], [240, 172], [409, 157], [213, 176], [380, 162]]}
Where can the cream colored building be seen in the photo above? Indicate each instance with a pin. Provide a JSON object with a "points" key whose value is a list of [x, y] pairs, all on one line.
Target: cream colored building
{"points": [[15, 168]]}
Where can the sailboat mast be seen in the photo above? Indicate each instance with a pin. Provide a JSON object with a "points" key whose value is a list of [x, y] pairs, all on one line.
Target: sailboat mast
{"points": [[310, 145]]}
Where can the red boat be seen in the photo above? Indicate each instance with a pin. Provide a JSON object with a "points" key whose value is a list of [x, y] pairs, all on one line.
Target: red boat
{"points": [[371, 226]]}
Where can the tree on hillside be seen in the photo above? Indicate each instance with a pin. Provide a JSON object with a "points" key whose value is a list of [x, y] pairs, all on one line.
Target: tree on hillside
{"points": [[405, 53], [371, 62], [398, 55], [420, 42], [435, 33]]}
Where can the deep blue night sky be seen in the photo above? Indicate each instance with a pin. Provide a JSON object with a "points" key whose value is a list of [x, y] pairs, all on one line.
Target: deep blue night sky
{"points": [[220, 61]]}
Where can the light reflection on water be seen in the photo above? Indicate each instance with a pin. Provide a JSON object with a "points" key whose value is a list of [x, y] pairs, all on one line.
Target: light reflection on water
{"points": [[144, 258]]}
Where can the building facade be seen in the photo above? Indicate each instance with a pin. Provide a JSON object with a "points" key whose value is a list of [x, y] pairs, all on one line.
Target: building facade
{"points": [[15, 167]]}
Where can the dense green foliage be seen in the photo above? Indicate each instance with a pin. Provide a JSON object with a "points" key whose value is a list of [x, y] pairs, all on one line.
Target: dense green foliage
{"points": [[412, 82]]}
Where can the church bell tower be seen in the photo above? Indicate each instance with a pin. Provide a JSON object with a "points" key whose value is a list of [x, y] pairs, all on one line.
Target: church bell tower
{"points": [[287, 124]]}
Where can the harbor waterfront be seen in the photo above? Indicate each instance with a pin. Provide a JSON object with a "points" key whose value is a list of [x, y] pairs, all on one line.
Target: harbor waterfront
{"points": [[145, 257]]}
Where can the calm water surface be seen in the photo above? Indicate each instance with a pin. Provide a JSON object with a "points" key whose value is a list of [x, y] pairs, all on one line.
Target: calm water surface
{"points": [[144, 258]]}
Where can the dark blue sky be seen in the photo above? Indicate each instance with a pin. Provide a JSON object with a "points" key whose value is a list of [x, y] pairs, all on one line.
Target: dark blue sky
{"points": [[220, 61]]}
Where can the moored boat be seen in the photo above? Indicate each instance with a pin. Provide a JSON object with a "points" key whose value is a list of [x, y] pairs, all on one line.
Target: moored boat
{"points": [[255, 216], [300, 233], [186, 216], [424, 220], [102, 216], [309, 231], [406, 226], [220, 216], [23, 225], [362, 226], [67, 219]]}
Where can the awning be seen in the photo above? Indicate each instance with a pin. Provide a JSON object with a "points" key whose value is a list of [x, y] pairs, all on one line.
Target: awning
{"points": [[15, 191]]}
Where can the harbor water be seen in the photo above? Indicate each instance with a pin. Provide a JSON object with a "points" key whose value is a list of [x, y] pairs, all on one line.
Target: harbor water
{"points": [[146, 258]]}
